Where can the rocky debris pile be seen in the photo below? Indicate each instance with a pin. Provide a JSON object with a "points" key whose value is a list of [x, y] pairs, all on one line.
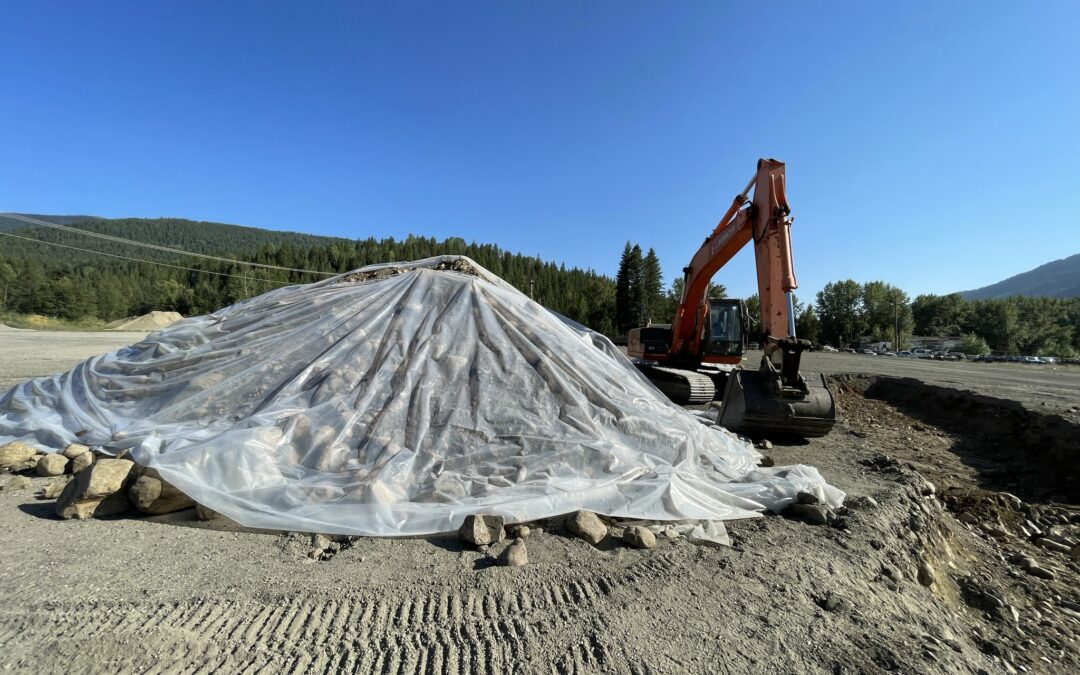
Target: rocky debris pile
{"points": [[485, 532], [1042, 540], [93, 485], [1015, 578], [100, 486]]}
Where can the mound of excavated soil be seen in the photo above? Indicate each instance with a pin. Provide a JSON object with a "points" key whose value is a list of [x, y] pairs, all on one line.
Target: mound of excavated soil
{"points": [[150, 321]]}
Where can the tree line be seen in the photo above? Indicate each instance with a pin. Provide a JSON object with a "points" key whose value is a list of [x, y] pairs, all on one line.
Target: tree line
{"points": [[640, 296], [848, 311], [845, 312], [37, 278]]}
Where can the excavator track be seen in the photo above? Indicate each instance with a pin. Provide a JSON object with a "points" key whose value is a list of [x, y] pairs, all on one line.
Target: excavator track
{"points": [[685, 387]]}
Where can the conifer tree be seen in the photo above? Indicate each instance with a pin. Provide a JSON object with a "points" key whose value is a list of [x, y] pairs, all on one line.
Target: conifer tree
{"points": [[652, 288]]}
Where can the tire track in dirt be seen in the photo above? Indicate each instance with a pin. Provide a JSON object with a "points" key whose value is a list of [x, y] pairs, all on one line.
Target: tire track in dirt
{"points": [[535, 627]]}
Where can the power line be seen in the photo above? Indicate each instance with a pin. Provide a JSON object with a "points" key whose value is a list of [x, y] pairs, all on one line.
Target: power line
{"points": [[148, 262], [132, 242]]}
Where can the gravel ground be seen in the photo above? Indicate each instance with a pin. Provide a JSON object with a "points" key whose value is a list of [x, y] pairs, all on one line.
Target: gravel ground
{"points": [[174, 594]]}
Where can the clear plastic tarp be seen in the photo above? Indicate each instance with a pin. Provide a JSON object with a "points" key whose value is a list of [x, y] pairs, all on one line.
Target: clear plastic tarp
{"points": [[396, 400]]}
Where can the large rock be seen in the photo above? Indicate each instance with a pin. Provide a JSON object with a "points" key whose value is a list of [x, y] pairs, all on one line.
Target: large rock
{"points": [[53, 464], [815, 514], [515, 554], [153, 495], [80, 462], [588, 526], [519, 531], [482, 530], [75, 449], [97, 491], [17, 457], [54, 489], [639, 537]]}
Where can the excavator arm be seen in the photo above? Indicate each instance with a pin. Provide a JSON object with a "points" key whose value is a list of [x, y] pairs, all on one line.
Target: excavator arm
{"points": [[766, 221], [775, 397]]}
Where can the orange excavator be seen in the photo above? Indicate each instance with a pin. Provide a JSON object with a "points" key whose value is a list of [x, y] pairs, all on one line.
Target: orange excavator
{"points": [[699, 354]]}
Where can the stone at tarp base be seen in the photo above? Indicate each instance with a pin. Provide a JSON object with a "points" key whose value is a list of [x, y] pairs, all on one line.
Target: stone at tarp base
{"points": [[482, 530], [156, 497], [515, 554], [98, 491], [82, 461], [518, 531], [52, 465], [17, 457], [75, 449], [588, 526], [54, 489], [639, 537], [815, 514]]}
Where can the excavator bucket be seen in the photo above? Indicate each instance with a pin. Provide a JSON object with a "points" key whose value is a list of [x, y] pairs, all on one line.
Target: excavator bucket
{"points": [[752, 407]]}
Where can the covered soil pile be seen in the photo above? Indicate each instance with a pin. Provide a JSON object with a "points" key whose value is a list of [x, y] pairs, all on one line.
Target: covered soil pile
{"points": [[398, 400]]}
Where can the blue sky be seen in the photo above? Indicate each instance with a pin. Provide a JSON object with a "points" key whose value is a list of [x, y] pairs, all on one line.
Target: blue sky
{"points": [[931, 145]]}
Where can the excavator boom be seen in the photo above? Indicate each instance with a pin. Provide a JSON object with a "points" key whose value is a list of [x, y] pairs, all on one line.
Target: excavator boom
{"points": [[775, 397]]}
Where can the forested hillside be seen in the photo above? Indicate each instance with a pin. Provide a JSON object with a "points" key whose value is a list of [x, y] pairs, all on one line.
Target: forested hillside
{"points": [[8, 224], [65, 274]]}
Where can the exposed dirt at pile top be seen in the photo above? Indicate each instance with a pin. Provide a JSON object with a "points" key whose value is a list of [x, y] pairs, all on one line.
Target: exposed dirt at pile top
{"points": [[172, 593]]}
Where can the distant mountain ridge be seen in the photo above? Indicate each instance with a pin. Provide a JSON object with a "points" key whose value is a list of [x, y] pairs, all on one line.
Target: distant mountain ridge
{"points": [[1057, 279]]}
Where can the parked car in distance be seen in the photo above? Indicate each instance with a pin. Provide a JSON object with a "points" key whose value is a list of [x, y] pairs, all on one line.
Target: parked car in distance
{"points": [[754, 345], [922, 354], [1033, 359], [848, 350], [893, 354], [831, 350], [905, 354], [871, 352]]}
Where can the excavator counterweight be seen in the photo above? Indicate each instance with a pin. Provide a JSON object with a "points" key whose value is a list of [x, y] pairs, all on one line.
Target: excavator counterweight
{"points": [[705, 342]]}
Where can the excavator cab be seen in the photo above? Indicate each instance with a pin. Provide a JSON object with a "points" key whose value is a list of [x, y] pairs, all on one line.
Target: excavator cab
{"points": [[725, 331]]}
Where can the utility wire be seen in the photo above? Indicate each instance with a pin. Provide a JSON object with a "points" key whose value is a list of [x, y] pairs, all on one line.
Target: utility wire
{"points": [[148, 262], [132, 242]]}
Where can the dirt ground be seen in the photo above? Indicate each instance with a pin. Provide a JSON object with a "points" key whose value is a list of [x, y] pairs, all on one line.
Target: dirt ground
{"points": [[937, 572]]}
